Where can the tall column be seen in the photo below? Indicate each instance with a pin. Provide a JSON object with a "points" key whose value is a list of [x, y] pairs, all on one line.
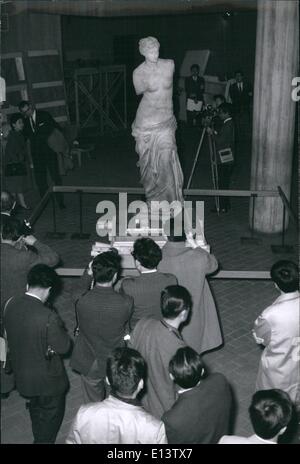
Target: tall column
{"points": [[274, 110]]}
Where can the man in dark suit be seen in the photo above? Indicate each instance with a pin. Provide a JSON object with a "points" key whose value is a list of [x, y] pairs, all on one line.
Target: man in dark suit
{"points": [[146, 289], [194, 88], [240, 93], [38, 127], [102, 315], [19, 253], [32, 328], [201, 412], [8, 209], [225, 148]]}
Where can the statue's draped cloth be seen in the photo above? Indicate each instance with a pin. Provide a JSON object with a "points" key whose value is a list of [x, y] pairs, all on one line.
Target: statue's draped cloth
{"points": [[161, 173]]}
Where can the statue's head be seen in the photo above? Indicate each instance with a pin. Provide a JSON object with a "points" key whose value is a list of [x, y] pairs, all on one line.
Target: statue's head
{"points": [[148, 44]]}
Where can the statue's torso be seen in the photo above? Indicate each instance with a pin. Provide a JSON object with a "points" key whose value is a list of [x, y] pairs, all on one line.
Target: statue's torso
{"points": [[156, 105]]}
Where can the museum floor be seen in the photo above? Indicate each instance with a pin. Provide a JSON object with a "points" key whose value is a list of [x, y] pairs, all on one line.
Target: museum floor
{"points": [[239, 301]]}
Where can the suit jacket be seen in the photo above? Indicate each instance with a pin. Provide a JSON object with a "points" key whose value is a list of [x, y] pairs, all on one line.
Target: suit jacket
{"points": [[157, 342], [278, 327], [102, 316], [44, 126], [16, 263], [25, 321], [225, 137], [240, 99], [194, 88], [200, 415], [191, 266], [146, 291]]}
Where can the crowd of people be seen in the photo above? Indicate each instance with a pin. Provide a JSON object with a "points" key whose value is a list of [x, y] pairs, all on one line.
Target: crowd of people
{"points": [[138, 346], [138, 341]]}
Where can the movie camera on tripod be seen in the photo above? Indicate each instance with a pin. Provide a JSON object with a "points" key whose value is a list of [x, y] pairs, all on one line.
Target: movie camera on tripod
{"points": [[209, 119]]}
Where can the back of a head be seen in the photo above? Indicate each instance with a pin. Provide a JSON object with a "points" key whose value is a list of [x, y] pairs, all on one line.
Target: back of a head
{"points": [[7, 202], [174, 300], [42, 276], [270, 411], [174, 229], [105, 266], [12, 229], [124, 369], [186, 367], [147, 252], [285, 274]]}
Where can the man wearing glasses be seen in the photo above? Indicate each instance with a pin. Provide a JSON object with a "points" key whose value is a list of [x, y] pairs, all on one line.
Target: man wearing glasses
{"points": [[38, 126]]}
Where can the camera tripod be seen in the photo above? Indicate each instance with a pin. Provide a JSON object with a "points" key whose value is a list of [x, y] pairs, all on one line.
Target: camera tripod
{"points": [[213, 164]]}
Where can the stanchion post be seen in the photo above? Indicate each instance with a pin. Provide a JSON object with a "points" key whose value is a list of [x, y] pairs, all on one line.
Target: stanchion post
{"points": [[54, 234], [283, 248], [253, 197], [251, 240], [80, 235]]}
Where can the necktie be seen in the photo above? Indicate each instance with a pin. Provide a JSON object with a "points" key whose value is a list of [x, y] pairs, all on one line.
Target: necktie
{"points": [[32, 123]]}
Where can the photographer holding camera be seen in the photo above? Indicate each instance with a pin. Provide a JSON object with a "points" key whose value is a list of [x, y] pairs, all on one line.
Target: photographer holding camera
{"points": [[19, 253], [36, 338]]}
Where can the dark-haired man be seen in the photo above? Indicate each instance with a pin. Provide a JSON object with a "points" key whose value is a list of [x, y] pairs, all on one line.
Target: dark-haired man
{"points": [[146, 289], [270, 414], [278, 329], [102, 315], [32, 328], [39, 125], [119, 419], [17, 259], [158, 341], [240, 93], [201, 412]]}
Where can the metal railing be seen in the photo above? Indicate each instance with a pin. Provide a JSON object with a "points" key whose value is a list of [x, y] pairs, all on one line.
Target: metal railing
{"points": [[222, 274]]}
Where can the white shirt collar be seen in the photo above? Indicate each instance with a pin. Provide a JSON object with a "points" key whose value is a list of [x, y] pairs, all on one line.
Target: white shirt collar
{"points": [[264, 440], [184, 390], [288, 296], [34, 296], [150, 271], [227, 119]]}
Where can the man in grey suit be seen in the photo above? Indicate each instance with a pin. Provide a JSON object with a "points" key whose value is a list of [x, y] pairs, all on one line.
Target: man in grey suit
{"points": [[191, 266], [158, 341]]}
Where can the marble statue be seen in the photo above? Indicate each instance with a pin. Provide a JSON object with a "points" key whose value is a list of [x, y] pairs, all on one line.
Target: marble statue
{"points": [[155, 125]]}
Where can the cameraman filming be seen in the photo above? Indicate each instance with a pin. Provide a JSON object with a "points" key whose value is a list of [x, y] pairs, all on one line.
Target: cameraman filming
{"points": [[224, 140]]}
